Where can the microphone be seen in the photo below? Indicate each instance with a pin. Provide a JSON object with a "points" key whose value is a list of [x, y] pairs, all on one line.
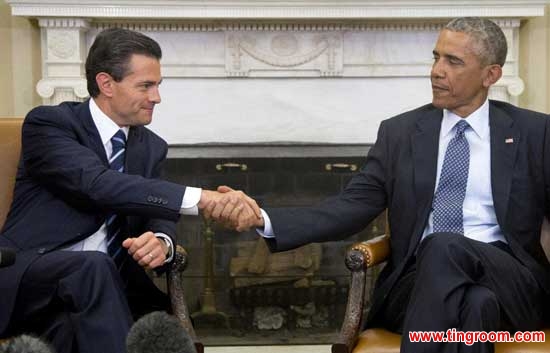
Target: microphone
{"points": [[25, 344], [159, 332], [7, 257]]}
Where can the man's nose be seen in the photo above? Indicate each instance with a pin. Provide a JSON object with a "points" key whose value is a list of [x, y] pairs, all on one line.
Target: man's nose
{"points": [[155, 95], [438, 70]]}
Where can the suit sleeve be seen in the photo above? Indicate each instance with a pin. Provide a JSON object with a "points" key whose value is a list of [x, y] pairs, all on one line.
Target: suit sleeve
{"points": [[338, 217], [159, 225], [55, 156], [546, 167]]}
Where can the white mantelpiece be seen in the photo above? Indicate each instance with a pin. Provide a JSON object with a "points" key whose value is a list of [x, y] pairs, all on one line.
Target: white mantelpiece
{"points": [[260, 72], [270, 9]]}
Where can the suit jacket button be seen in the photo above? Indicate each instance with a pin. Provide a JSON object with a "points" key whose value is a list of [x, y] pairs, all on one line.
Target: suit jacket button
{"points": [[42, 251], [150, 198], [164, 202]]}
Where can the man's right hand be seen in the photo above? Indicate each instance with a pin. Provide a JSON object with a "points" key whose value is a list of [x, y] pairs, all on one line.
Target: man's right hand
{"points": [[231, 208]]}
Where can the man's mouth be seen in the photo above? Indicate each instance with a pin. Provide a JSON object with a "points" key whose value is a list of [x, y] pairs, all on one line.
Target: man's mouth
{"points": [[439, 88]]}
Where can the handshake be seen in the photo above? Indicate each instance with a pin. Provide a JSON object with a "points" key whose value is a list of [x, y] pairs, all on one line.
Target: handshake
{"points": [[230, 208]]}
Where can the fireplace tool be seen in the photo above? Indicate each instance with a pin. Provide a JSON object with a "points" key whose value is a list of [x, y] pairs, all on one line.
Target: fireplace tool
{"points": [[208, 313]]}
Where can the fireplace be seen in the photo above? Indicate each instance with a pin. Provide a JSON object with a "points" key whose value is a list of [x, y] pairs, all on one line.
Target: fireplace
{"points": [[257, 71]]}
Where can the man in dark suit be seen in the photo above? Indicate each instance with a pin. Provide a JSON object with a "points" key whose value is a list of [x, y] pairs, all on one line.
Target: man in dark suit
{"points": [[89, 213], [466, 182]]}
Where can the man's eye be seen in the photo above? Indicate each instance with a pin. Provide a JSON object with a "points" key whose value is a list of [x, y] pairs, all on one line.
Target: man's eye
{"points": [[454, 61]]}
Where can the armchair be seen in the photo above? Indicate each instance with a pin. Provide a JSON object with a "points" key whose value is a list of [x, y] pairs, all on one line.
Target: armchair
{"points": [[359, 258], [10, 148]]}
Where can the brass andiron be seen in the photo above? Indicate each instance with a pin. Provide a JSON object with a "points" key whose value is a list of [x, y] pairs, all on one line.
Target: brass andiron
{"points": [[208, 313]]}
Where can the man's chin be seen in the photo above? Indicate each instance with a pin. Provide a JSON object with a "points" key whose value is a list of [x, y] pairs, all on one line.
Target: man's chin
{"points": [[146, 119], [439, 103]]}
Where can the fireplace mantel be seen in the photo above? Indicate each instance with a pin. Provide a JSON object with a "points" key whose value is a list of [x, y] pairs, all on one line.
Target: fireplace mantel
{"points": [[269, 9], [272, 73]]}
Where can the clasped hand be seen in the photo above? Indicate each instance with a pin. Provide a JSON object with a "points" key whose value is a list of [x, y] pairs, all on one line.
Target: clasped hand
{"points": [[231, 208]]}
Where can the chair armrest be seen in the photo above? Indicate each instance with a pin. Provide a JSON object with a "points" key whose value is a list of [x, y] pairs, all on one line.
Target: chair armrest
{"points": [[359, 258], [177, 294], [373, 252]]}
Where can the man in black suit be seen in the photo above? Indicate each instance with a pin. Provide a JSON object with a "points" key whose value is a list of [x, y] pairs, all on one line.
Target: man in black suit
{"points": [[466, 182], [89, 213]]}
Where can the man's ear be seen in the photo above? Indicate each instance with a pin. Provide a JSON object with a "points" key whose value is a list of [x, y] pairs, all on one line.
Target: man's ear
{"points": [[492, 75], [105, 83]]}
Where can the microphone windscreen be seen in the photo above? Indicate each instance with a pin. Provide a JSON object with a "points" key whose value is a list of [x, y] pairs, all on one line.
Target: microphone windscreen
{"points": [[25, 344], [159, 332], [7, 257]]}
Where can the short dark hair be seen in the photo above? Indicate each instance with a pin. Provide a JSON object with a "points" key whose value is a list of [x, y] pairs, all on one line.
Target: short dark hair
{"points": [[489, 39], [111, 53]]}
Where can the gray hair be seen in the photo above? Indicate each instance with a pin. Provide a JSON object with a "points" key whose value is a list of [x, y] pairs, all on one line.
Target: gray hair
{"points": [[489, 39], [25, 344]]}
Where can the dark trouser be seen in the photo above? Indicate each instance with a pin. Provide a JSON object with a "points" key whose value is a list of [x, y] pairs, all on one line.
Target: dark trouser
{"points": [[76, 301], [456, 282]]}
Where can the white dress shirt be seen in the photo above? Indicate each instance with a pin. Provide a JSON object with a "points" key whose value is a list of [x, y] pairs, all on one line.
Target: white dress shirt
{"points": [[107, 128], [480, 221]]}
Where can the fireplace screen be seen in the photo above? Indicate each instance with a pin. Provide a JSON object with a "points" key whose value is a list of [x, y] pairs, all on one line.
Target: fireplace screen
{"points": [[239, 293]]}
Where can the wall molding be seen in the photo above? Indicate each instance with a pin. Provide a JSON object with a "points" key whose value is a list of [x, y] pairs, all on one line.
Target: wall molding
{"points": [[172, 25]]}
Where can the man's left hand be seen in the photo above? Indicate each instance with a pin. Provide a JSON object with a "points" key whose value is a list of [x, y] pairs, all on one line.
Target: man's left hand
{"points": [[148, 250]]}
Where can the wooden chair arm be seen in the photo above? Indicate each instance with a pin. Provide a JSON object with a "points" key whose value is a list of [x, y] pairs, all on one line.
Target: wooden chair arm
{"points": [[177, 294], [359, 258]]}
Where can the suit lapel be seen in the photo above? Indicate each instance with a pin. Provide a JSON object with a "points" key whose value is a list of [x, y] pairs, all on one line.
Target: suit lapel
{"points": [[91, 130], [134, 151], [425, 168], [504, 145], [425, 159]]}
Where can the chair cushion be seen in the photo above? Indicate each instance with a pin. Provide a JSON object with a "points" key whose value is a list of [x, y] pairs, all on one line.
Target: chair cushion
{"points": [[383, 341], [377, 341], [524, 347], [10, 147]]}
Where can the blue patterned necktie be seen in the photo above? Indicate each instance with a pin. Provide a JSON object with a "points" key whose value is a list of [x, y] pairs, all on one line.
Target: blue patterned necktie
{"points": [[449, 197], [113, 222]]}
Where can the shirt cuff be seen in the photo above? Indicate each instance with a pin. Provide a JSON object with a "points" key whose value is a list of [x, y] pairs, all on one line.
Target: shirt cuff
{"points": [[170, 244], [267, 232], [191, 198]]}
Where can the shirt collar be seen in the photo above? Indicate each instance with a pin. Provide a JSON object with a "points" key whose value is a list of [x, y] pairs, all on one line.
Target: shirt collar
{"points": [[478, 121], [106, 127]]}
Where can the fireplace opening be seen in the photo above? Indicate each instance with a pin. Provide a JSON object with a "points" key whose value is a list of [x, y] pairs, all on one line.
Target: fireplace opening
{"points": [[240, 294]]}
